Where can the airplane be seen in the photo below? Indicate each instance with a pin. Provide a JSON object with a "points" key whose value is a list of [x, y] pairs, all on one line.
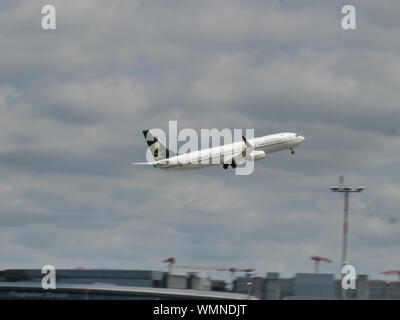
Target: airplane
{"points": [[225, 155]]}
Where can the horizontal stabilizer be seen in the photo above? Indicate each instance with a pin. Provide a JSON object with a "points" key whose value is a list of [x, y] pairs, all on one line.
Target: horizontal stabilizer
{"points": [[143, 163]]}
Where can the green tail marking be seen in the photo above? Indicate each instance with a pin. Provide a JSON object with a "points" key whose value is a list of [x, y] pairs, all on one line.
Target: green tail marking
{"points": [[158, 149]]}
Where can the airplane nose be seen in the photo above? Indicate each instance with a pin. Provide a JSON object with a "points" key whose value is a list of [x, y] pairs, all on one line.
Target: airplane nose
{"points": [[302, 138]]}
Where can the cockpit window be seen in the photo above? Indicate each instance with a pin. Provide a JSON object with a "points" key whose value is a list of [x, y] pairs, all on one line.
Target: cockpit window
{"points": [[297, 134]]}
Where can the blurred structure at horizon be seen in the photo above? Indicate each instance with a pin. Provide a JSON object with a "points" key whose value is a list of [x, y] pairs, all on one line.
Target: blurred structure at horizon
{"points": [[132, 284]]}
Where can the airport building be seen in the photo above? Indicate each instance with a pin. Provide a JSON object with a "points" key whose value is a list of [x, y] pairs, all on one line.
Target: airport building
{"points": [[77, 284], [148, 284], [315, 286]]}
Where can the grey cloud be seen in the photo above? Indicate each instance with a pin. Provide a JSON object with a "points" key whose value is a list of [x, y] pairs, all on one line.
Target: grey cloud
{"points": [[73, 103]]}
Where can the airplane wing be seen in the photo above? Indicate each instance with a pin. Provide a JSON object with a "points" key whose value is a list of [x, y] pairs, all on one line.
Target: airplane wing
{"points": [[237, 157], [241, 155]]}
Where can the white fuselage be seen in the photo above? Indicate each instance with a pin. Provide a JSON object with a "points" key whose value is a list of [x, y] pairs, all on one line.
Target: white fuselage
{"points": [[223, 154]]}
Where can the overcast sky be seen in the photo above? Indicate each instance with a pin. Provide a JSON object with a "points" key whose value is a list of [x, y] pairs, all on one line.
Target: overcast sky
{"points": [[74, 102]]}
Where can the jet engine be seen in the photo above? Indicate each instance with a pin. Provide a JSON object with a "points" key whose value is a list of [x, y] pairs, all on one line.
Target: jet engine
{"points": [[257, 155]]}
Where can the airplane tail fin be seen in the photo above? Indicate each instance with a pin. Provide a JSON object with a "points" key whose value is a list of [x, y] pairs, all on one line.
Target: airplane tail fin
{"points": [[158, 149]]}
